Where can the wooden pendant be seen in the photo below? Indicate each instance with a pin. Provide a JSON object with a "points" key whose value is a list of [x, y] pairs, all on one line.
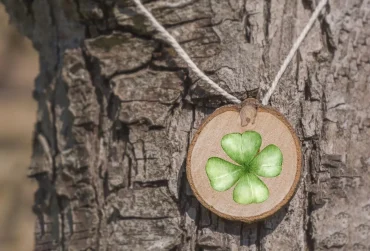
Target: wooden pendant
{"points": [[244, 162]]}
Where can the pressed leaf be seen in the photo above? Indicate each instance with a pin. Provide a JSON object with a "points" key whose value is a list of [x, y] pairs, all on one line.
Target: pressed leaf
{"points": [[250, 189], [268, 163], [222, 174], [242, 147]]}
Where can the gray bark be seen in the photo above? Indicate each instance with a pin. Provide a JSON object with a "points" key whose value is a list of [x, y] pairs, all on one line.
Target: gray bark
{"points": [[117, 109]]}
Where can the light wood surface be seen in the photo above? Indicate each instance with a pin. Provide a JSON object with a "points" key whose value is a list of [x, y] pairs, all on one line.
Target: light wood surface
{"points": [[274, 129]]}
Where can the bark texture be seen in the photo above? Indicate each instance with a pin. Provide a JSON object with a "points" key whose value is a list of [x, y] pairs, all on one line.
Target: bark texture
{"points": [[118, 108]]}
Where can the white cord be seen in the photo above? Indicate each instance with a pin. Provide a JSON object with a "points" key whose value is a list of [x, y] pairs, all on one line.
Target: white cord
{"points": [[171, 40], [293, 50], [180, 51], [173, 5]]}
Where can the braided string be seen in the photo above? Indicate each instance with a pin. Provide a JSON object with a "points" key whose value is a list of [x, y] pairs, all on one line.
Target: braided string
{"points": [[180, 51]]}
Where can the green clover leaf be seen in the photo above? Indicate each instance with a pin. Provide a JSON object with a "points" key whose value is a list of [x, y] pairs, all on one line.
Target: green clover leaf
{"points": [[244, 150]]}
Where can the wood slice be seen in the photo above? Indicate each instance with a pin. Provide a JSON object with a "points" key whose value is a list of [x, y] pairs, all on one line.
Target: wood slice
{"points": [[274, 129]]}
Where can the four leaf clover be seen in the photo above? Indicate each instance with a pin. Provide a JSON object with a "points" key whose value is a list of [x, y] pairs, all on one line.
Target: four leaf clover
{"points": [[244, 150]]}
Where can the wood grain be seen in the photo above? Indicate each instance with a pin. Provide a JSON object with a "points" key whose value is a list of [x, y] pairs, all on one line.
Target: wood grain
{"points": [[274, 129]]}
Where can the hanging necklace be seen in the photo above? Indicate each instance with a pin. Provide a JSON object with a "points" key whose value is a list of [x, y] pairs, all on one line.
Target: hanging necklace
{"points": [[244, 162]]}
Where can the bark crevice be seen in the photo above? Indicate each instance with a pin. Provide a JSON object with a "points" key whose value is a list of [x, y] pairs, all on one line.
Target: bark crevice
{"points": [[119, 108]]}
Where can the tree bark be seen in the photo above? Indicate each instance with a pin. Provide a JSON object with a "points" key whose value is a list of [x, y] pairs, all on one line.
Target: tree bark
{"points": [[117, 109]]}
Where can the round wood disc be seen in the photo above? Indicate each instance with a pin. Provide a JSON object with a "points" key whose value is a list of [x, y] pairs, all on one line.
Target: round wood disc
{"points": [[274, 129]]}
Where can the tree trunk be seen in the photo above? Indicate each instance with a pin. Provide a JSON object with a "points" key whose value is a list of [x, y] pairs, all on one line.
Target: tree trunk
{"points": [[117, 109]]}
